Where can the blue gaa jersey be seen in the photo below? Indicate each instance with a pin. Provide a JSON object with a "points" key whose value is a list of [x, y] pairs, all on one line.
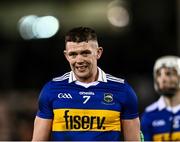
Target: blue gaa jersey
{"points": [[161, 123], [87, 111]]}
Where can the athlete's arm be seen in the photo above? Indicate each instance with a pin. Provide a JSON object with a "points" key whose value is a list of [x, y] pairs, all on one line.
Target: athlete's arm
{"points": [[131, 129], [42, 129]]}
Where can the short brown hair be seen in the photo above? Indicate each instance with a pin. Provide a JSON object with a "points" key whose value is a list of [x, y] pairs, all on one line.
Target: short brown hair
{"points": [[80, 34]]}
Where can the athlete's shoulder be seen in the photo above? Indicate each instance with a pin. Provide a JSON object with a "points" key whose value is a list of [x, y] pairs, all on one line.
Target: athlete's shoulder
{"points": [[114, 79], [118, 82], [57, 81], [61, 78], [152, 107]]}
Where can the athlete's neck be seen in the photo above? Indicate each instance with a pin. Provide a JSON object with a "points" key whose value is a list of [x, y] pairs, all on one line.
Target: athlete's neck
{"points": [[90, 79], [174, 100]]}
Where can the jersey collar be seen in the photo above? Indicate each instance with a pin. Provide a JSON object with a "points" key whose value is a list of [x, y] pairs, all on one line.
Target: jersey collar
{"points": [[162, 105], [101, 76]]}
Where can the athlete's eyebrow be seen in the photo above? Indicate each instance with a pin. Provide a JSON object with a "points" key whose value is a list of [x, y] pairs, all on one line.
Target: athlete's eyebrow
{"points": [[72, 53], [85, 51]]}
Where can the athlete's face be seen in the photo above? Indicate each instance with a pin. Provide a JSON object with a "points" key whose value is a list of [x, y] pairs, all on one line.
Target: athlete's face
{"points": [[82, 58], [167, 80]]}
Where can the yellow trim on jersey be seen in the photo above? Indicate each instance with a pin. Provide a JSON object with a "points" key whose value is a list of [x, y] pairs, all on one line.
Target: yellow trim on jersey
{"points": [[167, 137], [86, 120]]}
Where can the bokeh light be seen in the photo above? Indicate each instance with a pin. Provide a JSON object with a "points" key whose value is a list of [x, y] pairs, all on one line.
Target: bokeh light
{"points": [[118, 14], [34, 27]]}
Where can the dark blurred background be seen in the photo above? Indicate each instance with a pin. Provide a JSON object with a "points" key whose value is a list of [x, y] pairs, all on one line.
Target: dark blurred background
{"points": [[133, 33]]}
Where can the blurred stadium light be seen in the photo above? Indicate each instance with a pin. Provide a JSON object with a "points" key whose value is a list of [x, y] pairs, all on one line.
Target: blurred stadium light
{"points": [[70, 13], [34, 27], [25, 26], [118, 14]]}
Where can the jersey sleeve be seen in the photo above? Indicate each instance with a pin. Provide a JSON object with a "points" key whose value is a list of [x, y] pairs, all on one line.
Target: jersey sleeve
{"points": [[146, 127], [130, 105], [44, 104]]}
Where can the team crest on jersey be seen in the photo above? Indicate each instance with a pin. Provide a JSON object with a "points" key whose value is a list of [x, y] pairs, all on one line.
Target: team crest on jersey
{"points": [[108, 99], [64, 96]]}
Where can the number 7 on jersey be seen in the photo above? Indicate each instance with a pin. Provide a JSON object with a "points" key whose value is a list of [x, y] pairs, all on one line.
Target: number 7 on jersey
{"points": [[86, 99]]}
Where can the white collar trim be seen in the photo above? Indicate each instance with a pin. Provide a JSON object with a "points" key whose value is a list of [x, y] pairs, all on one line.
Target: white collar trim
{"points": [[162, 105], [101, 77]]}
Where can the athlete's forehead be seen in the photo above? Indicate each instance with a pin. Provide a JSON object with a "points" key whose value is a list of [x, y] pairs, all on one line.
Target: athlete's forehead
{"points": [[81, 44], [166, 70]]}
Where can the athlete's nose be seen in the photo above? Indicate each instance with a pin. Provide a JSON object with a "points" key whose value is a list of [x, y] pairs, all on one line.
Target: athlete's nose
{"points": [[79, 59]]}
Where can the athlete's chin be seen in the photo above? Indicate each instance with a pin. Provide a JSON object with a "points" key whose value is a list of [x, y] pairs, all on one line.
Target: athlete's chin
{"points": [[168, 91], [166, 88], [82, 74]]}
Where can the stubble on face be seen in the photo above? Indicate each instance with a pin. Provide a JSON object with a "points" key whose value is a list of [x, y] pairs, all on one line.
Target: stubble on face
{"points": [[84, 64], [167, 81]]}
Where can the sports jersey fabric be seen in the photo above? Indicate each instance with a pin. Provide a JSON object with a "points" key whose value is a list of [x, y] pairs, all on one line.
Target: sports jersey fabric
{"points": [[161, 123], [87, 111]]}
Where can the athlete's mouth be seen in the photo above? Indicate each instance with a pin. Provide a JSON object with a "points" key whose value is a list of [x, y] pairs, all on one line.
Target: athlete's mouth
{"points": [[81, 68]]}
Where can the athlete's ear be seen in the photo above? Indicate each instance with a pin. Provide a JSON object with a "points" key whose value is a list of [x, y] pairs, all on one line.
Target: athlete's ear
{"points": [[99, 52], [65, 54]]}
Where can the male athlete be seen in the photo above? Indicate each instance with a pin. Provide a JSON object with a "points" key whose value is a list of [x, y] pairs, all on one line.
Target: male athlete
{"points": [[161, 120], [86, 104]]}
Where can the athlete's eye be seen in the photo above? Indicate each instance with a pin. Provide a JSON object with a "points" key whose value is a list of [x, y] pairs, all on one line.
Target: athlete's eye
{"points": [[72, 54], [171, 73], [85, 53], [158, 73]]}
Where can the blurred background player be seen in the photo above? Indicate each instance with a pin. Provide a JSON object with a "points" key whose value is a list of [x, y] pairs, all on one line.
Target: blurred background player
{"points": [[86, 104], [161, 120]]}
